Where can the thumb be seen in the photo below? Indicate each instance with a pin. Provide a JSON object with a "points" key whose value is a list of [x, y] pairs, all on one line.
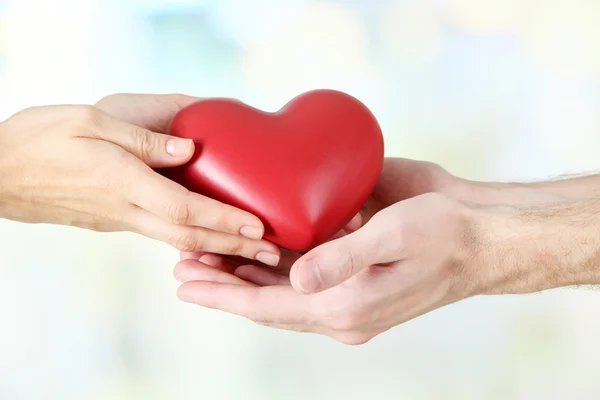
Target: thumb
{"points": [[336, 261], [157, 150]]}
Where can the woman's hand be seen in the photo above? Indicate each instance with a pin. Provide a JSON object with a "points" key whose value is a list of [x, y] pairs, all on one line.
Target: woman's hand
{"points": [[92, 167]]}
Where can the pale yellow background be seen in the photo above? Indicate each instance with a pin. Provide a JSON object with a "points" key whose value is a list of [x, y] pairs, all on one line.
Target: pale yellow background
{"points": [[492, 90]]}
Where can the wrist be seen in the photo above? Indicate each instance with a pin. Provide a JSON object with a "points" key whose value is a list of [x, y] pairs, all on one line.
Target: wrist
{"points": [[535, 248]]}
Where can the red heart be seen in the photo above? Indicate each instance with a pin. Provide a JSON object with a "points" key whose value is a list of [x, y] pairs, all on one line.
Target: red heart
{"points": [[305, 170]]}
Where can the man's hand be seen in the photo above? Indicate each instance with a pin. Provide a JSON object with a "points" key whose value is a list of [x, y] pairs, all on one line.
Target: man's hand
{"points": [[407, 260], [92, 167], [425, 243]]}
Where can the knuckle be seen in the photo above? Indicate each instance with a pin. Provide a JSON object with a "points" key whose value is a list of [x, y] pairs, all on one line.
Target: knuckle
{"points": [[179, 213], [108, 99], [349, 267], [87, 115], [345, 266], [220, 220], [400, 235], [179, 99], [235, 247], [215, 217], [145, 142], [439, 202], [186, 242]]}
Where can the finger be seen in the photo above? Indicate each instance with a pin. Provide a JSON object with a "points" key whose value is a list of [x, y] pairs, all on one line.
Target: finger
{"points": [[193, 239], [173, 203], [190, 270], [339, 235], [261, 276], [157, 150], [191, 255], [286, 260], [354, 224], [266, 305], [150, 111], [334, 262], [220, 262], [214, 260]]}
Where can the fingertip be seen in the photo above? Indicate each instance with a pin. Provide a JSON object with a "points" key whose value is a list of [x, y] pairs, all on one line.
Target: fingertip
{"points": [[305, 276], [178, 272], [269, 258], [185, 294], [354, 224], [294, 274], [182, 269]]}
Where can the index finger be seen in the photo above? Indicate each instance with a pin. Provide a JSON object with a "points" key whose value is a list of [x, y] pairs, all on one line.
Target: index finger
{"points": [[150, 111], [174, 203]]}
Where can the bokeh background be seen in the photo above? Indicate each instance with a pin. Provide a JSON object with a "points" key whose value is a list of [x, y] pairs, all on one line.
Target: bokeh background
{"points": [[492, 90]]}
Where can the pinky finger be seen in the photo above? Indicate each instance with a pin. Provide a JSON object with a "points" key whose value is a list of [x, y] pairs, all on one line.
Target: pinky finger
{"points": [[210, 259], [190, 270]]}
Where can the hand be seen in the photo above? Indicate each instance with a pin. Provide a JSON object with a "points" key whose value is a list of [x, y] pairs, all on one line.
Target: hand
{"points": [[409, 259], [400, 179], [92, 167], [412, 257]]}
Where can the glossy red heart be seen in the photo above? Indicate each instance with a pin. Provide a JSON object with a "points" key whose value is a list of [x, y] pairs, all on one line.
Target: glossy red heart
{"points": [[305, 170]]}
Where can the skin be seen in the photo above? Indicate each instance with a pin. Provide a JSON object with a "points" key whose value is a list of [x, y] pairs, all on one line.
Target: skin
{"points": [[93, 167], [425, 239]]}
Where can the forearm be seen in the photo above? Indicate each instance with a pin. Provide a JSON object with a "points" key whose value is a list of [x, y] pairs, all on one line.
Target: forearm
{"points": [[582, 187], [530, 249], [574, 187]]}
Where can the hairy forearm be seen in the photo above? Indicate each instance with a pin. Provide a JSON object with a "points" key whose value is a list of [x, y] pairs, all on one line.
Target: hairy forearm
{"points": [[570, 187], [562, 189], [535, 248]]}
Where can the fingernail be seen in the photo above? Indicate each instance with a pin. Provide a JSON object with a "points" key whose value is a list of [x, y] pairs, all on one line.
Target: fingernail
{"points": [[268, 258], [179, 147], [251, 232], [309, 277]]}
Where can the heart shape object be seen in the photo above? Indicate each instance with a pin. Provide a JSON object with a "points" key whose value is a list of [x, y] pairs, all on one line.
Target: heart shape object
{"points": [[305, 170]]}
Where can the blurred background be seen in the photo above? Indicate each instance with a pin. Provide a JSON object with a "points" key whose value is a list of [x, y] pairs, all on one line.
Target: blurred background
{"points": [[492, 90]]}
